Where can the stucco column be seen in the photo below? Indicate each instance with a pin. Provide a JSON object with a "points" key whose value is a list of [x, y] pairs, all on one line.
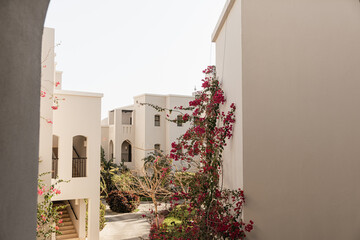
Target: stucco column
{"points": [[21, 27], [82, 218], [93, 218]]}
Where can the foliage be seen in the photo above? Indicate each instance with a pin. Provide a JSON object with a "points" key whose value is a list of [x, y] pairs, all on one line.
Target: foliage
{"points": [[153, 182], [122, 202], [214, 212], [102, 219], [107, 172], [47, 214]]}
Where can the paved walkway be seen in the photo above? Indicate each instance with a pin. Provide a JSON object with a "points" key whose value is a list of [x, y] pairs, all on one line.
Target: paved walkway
{"points": [[126, 226]]}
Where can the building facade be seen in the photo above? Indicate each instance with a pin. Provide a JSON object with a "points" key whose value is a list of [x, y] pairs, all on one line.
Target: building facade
{"points": [[291, 68], [70, 130], [130, 133]]}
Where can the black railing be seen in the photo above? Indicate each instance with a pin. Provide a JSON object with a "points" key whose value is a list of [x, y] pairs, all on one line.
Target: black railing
{"points": [[72, 209], [54, 168], [79, 167]]}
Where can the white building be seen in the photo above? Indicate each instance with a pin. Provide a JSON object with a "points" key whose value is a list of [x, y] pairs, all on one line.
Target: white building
{"points": [[70, 146], [292, 69], [130, 133]]}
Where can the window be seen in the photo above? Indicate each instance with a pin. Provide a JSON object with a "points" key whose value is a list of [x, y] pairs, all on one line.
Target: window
{"points": [[157, 147], [157, 120], [79, 156], [126, 152], [55, 156], [179, 121]]}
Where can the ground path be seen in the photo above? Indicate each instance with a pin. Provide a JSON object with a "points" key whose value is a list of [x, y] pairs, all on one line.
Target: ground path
{"points": [[126, 226]]}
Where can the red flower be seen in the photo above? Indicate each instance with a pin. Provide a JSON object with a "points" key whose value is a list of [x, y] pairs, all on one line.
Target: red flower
{"points": [[54, 107]]}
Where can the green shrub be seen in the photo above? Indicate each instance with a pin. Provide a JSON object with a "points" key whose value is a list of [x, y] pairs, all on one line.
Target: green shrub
{"points": [[102, 219], [122, 202]]}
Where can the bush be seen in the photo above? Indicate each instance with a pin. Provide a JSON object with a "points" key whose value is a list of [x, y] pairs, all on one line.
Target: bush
{"points": [[102, 219], [122, 202]]}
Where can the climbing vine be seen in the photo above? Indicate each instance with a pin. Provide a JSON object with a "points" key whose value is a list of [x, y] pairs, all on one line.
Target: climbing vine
{"points": [[210, 211]]}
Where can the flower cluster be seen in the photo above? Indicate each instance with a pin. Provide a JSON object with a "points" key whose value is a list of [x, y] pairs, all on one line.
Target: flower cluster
{"points": [[209, 212], [48, 216]]}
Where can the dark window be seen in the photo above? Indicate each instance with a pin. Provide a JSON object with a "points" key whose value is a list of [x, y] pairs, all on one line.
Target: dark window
{"points": [[157, 147], [157, 120], [179, 121]]}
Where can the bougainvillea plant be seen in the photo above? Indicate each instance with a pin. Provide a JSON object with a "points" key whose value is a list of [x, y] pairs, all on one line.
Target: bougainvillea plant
{"points": [[210, 212], [46, 92], [48, 216]]}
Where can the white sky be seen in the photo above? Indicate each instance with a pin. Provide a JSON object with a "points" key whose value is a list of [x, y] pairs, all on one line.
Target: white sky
{"points": [[124, 48]]}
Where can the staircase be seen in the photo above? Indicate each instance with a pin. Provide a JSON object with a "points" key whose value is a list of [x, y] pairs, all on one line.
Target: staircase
{"points": [[66, 227]]}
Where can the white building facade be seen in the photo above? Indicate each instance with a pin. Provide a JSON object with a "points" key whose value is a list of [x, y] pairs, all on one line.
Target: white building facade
{"points": [[292, 69], [70, 131], [130, 133]]}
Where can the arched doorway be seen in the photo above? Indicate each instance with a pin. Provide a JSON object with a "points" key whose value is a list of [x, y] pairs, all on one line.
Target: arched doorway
{"points": [[111, 150], [126, 151]]}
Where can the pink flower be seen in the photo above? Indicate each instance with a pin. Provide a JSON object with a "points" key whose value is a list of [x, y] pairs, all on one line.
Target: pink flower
{"points": [[44, 66], [49, 121], [57, 84], [40, 192], [42, 94], [54, 107], [57, 228], [57, 191], [60, 221], [185, 117]]}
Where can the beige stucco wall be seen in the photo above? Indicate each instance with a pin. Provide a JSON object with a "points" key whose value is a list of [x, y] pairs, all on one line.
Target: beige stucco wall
{"points": [[79, 114], [229, 70], [46, 113], [296, 65]]}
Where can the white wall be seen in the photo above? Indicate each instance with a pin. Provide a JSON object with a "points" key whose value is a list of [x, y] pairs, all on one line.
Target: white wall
{"points": [[291, 67], [80, 114], [229, 71], [46, 113]]}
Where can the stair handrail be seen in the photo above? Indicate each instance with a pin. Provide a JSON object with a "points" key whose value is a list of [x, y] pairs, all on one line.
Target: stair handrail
{"points": [[72, 210]]}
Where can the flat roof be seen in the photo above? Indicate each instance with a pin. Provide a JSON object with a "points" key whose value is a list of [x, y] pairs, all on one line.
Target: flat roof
{"points": [[77, 93], [163, 95], [224, 14]]}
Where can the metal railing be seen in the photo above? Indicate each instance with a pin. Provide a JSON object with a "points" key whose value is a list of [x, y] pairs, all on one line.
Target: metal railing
{"points": [[72, 209], [54, 168], [79, 167]]}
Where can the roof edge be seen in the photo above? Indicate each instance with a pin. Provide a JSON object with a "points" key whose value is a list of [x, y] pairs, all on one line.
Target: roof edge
{"points": [[224, 15]]}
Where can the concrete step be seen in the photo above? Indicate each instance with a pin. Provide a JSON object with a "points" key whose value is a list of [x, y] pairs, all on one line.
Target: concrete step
{"points": [[71, 238], [64, 215], [70, 231], [66, 224], [66, 219], [67, 236], [64, 228]]}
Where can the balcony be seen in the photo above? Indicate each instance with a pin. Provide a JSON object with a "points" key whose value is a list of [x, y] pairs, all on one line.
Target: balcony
{"points": [[79, 167]]}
